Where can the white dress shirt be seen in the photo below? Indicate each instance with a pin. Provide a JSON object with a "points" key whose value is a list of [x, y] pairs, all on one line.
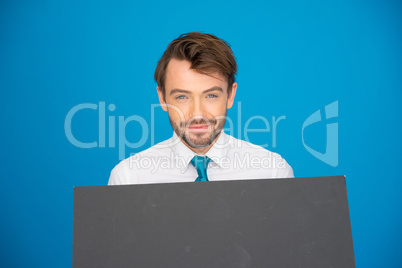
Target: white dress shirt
{"points": [[169, 161]]}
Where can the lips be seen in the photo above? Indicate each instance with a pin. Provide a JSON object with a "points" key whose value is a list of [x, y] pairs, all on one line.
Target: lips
{"points": [[198, 128]]}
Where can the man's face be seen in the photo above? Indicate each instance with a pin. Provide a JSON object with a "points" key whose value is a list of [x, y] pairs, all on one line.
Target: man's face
{"points": [[196, 103]]}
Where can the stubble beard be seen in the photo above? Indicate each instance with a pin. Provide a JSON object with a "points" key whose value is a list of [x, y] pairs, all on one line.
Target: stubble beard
{"points": [[199, 142]]}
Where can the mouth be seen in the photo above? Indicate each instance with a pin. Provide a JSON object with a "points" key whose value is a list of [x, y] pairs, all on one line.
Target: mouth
{"points": [[199, 128]]}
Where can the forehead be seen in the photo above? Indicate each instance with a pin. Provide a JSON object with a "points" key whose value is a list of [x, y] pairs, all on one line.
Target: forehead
{"points": [[180, 76]]}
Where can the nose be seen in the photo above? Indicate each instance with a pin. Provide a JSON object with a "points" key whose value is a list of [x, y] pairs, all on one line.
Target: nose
{"points": [[197, 110]]}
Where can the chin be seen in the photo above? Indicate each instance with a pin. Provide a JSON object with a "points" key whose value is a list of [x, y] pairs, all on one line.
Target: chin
{"points": [[198, 140]]}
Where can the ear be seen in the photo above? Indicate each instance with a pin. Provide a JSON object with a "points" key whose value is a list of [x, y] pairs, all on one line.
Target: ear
{"points": [[161, 99], [232, 96]]}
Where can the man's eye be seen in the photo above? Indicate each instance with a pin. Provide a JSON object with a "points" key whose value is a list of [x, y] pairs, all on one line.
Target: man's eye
{"points": [[212, 96], [181, 97]]}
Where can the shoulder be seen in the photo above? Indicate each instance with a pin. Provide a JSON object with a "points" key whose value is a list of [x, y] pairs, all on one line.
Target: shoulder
{"points": [[129, 170], [258, 157]]}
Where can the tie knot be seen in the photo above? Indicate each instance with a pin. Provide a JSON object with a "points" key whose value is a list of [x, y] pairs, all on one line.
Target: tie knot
{"points": [[201, 164]]}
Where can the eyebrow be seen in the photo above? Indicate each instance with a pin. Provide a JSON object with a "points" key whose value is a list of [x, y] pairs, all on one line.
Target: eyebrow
{"points": [[177, 90]]}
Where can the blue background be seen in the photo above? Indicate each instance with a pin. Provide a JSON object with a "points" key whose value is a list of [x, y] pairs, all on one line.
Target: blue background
{"points": [[294, 58]]}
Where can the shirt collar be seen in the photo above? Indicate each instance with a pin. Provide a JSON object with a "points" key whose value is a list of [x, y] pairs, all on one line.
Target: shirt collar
{"points": [[183, 154]]}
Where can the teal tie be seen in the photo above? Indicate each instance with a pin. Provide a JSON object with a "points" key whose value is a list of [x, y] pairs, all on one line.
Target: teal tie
{"points": [[201, 164]]}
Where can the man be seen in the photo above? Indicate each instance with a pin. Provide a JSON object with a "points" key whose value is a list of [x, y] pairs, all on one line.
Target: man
{"points": [[196, 86]]}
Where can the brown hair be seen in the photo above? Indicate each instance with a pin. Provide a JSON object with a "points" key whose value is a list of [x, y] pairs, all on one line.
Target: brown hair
{"points": [[206, 53]]}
